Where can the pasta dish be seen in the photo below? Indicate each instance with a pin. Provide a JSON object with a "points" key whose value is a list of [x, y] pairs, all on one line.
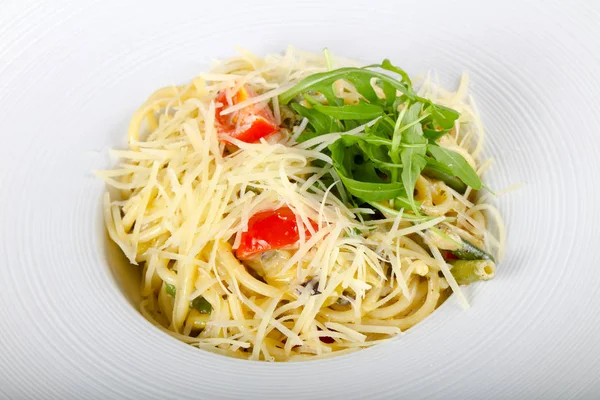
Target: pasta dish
{"points": [[301, 206]]}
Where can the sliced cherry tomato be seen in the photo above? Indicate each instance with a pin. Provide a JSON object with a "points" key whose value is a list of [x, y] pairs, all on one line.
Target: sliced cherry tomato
{"points": [[248, 124], [269, 230]]}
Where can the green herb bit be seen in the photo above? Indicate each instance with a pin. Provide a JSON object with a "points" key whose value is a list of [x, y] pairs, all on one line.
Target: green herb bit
{"points": [[171, 290], [202, 305], [199, 303]]}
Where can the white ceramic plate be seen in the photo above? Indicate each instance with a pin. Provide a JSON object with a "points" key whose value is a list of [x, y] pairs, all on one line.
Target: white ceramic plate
{"points": [[72, 73]]}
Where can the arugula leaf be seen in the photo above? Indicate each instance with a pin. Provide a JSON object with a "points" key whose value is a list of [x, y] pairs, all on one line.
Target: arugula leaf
{"points": [[413, 156], [307, 135], [385, 126], [361, 178], [350, 161], [387, 65], [432, 133], [371, 191], [351, 139], [374, 148], [397, 135], [363, 86], [457, 164], [436, 170], [412, 133], [359, 77], [389, 91], [320, 123], [329, 94], [444, 116], [379, 156], [439, 122], [361, 111], [413, 163], [385, 161]]}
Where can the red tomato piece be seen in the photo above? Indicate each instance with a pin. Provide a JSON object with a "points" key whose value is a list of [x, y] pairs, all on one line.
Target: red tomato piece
{"points": [[249, 124], [269, 230], [449, 256]]}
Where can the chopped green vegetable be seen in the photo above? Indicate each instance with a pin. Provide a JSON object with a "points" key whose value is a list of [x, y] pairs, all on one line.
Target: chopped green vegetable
{"points": [[171, 289], [469, 251], [469, 271], [199, 303], [202, 305]]}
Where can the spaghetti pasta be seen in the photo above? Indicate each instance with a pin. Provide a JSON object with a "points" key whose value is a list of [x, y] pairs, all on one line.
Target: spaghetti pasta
{"points": [[187, 193]]}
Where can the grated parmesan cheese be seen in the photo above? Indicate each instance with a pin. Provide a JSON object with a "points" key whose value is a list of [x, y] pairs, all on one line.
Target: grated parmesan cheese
{"points": [[181, 199]]}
